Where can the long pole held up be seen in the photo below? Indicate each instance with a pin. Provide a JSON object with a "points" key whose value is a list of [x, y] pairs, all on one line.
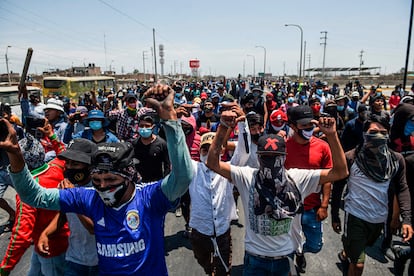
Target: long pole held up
{"points": [[155, 57]]}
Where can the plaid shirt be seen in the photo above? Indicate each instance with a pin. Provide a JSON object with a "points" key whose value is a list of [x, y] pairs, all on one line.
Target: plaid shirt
{"points": [[127, 125]]}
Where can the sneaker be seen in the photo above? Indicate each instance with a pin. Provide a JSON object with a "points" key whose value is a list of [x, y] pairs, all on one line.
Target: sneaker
{"points": [[401, 257], [301, 262], [388, 252], [187, 232], [178, 212]]}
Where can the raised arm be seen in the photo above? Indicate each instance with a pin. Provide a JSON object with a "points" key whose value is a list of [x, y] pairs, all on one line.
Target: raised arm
{"points": [[29, 190], [340, 168], [161, 97]]}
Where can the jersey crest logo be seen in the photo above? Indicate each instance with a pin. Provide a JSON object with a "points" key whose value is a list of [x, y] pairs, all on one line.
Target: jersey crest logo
{"points": [[133, 219]]}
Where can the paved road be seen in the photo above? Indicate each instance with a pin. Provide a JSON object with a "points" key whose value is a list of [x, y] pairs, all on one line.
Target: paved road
{"points": [[181, 262]]}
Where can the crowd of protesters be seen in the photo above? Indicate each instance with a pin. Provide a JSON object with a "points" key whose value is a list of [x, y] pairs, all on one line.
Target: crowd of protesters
{"points": [[96, 177]]}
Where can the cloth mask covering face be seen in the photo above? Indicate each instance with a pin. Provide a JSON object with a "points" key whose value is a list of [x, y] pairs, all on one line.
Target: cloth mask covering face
{"points": [[275, 195], [291, 100], [316, 108], [340, 107], [306, 133], [207, 109], [375, 159], [95, 125], [111, 196], [255, 137], [145, 132], [409, 128], [76, 175], [132, 109]]}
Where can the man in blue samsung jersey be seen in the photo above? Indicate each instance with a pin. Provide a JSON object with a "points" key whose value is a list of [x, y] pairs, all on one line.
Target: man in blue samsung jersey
{"points": [[128, 217]]}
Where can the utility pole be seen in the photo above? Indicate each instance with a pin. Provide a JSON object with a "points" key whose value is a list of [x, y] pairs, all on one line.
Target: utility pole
{"points": [[324, 38], [7, 65], [304, 58], [143, 63], [155, 56], [361, 62], [309, 64], [106, 62], [407, 55], [244, 68]]}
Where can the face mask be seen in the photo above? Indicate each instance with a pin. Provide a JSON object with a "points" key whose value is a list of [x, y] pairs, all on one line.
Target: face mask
{"points": [[145, 132], [409, 128], [76, 175], [178, 95], [255, 94], [111, 196], [208, 109], [375, 141], [319, 92], [270, 166], [95, 125], [249, 109], [340, 107], [131, 112], [306, 133], [316, 108], [255, 137], [378, 94], [277, 128], [291, 100], [132, 106], [355, 99], [203, 158]]}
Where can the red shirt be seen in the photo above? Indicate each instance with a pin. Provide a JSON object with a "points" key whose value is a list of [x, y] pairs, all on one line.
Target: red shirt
{"points": [[313, 155]]}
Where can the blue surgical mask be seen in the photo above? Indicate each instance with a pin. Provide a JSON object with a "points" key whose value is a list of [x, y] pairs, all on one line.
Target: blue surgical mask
{"points": [[95, 125], [291, 100], [319, 92], [145, 132], [178, 95], [340, 107], [409, 128], [378, 94]]}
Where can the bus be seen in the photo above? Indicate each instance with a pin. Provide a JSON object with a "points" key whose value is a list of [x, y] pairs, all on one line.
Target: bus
{"points": [[74, 87], [9, 94]]}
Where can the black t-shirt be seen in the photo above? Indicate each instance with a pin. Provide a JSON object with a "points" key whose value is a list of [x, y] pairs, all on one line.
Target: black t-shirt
{"points": [[207, 122], [154, 162]]}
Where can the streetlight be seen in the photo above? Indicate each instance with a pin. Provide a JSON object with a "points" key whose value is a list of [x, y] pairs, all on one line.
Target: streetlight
{"points": [[254, 65], [264, 61], [301, 45], [7, 65]]}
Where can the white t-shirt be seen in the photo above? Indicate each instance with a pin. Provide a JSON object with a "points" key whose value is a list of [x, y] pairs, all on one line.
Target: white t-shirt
{"points": [[366, 199], [264, 235]]}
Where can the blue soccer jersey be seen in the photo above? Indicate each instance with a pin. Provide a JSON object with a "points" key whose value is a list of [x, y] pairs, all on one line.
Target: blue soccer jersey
{"points": [[129, 239]]}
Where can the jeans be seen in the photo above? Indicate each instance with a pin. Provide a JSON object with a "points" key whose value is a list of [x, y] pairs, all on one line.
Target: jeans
{"points": [[312, 229], [74, 269], [5, 181], [257, 266], [53, 266]]}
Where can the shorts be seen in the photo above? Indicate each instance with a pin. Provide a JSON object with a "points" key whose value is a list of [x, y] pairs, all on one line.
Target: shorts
{"points": [[5, 181], [358, 234]]}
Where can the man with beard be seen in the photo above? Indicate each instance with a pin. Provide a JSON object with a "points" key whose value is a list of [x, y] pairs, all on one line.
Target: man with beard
{"points": [[374, 171], [271, 195]]}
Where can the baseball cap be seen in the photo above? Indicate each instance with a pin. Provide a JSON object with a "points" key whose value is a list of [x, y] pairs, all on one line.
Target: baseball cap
{"points": [[115, 157], [278, 115], [228, 98], [82, 109], [203, 95], [130, 96], [362, 108], [215, 95], [79, 150], [271, 143], [54, 104], [207, 138], [301, 114]]}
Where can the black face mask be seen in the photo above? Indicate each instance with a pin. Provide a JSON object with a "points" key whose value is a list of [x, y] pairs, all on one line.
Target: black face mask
{"points": [[77, 175], [249, 109], [255, 137]]}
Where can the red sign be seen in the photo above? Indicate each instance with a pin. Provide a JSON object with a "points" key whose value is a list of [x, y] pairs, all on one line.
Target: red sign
{"points": [[194, 63]]}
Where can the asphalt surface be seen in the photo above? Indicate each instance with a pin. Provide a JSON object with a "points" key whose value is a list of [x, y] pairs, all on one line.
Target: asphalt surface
{"points": [[180, 259]]}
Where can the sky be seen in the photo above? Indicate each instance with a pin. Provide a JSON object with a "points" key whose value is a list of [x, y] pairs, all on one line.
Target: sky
{"points": [[223, 35]]}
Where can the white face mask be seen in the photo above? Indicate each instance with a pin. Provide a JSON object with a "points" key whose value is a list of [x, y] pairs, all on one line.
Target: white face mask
{"points": [[111, 196], [277, 128], [203, 158]]}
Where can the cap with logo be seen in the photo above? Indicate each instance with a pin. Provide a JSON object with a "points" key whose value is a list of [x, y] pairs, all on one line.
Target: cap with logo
{"points": [[207, 138], [301, 114], [271, 144], [277, 116]]}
